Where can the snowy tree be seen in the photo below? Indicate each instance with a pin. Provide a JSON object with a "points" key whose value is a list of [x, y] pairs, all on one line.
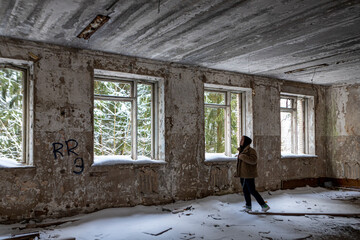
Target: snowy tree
{"points": [[11, 113], [113, 119], [215, 122]]}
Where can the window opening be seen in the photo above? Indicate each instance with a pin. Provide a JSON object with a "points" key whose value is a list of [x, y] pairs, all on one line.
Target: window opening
{"points": [[224, 122], [295, 129], [125, 118], [15, 113], [11, 114]]}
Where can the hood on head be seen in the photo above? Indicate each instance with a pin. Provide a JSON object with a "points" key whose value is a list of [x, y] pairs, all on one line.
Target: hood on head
{"points": [[247, 141]]}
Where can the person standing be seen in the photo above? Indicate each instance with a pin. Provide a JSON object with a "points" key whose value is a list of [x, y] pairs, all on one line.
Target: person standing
{"points": [[247, 171]]}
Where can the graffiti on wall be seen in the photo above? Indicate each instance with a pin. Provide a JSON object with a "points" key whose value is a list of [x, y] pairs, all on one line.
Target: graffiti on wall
{"points": [[60, 149]]}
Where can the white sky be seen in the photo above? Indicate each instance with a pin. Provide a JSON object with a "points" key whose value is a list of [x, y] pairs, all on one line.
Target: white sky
{"points": [[217, 217]]}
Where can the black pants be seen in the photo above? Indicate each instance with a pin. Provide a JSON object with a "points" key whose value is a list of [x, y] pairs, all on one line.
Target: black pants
{"points": [[248, 185]]}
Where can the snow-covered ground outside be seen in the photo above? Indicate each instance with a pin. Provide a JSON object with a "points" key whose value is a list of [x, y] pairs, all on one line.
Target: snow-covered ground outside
{"points": [[216, 217]]}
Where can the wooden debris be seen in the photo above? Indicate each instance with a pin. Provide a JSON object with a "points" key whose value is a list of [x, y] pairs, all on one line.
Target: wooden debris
{"points": [[165, 209], [215, 218], [353, 215], [187, 238], [43, 225], [181, 210], [25, 236], [351, 199], [157, 234], [304, 238]]}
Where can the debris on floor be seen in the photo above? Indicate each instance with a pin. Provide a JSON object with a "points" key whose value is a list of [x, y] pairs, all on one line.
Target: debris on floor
{"points": [[158, 234], [302, 213]]}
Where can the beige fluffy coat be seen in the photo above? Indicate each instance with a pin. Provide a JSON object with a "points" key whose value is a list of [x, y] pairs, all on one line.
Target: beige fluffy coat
{"points": [[247, 163]]}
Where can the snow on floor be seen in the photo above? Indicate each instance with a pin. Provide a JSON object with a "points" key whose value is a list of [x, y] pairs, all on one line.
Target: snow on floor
{"points": [[216, 217]]}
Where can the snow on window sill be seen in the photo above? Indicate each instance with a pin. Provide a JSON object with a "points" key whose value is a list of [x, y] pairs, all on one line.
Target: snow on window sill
{"points": [[122, 159], [10, 163], [219, 157], [298, 156]]}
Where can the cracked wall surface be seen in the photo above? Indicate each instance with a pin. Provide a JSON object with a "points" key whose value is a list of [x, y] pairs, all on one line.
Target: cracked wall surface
{"points": [[343, 131], [63, 111]]}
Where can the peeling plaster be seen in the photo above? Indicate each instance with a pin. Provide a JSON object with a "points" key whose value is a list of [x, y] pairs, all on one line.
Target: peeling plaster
{"points": [[344, 131]]}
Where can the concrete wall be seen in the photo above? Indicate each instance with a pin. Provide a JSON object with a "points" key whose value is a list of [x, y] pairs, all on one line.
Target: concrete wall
{"points": [[302, 167], [63, 110], [343, 131]]}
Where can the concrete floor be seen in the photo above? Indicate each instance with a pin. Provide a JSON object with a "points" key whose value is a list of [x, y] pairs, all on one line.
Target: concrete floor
{"points": [[215, 218]]}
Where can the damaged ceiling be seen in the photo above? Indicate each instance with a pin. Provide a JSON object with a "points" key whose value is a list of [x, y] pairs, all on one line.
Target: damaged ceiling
{"points": [[301, 40]]}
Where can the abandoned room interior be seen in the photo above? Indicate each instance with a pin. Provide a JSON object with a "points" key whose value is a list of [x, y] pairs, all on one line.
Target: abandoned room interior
{"points": [[117, 104]]}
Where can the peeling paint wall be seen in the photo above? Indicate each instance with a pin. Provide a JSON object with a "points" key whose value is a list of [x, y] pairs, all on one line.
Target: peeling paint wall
{"points": [[343, 131], [63, 110]]}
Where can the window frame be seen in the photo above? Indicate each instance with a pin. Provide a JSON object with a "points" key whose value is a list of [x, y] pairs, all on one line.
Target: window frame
{"points": [[27, 107], [294, 129], [309, 129], [157, 113], [228, 90]]}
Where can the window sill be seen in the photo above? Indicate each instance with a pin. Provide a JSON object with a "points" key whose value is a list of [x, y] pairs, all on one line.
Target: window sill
{"points": [[218, 158], [124, 160], [9, 163], [298, 156]]}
